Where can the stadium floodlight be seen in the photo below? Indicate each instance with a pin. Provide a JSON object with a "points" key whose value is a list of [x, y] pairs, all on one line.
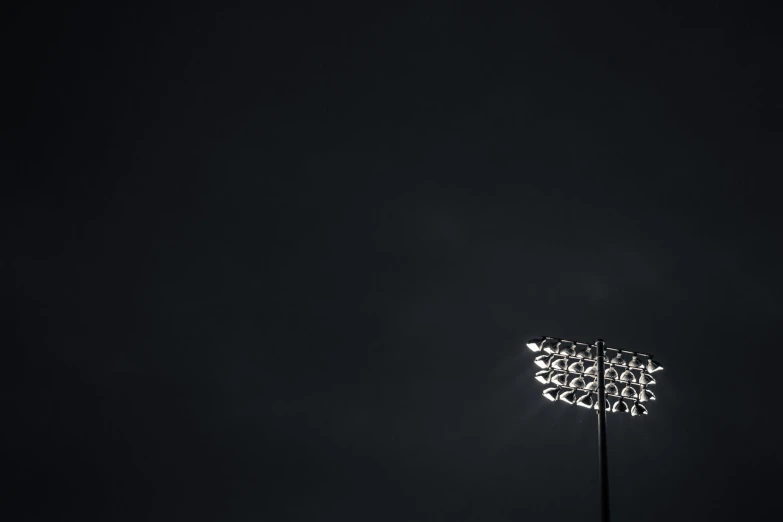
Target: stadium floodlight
{"points": [[543, 361], [646, 395], [629, 391], [585, 400], [638, 409], [635, 363], [646, 378], [563, 367]]}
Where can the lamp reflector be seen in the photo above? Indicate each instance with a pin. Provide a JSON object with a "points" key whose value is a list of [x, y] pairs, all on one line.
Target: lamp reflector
{"points": [[559, 378], [611, 373], [549, 345], [584, 352], [611, 389], [586, 400], [593, 370], [592, 386], [618, 359], [646, 378], [653, 366], [542, 361], [628, 376], [568, 396], [579, 382], [629, 391], [535, 344], [559, 364], [607, 406], [620, 406], [578, 366], [544, 376], [550, 393], [646, 395], [635, 362], [638, 409]]}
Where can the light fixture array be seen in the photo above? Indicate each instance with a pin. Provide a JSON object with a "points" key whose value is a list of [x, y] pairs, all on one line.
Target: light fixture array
{"points": [[571, 367]]}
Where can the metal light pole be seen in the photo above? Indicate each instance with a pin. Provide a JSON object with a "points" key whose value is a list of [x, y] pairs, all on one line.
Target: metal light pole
{"points": [[603, 471], [556, 370]]}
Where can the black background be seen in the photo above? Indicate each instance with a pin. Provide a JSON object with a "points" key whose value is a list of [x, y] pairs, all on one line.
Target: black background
{"points": [[279, 262]]}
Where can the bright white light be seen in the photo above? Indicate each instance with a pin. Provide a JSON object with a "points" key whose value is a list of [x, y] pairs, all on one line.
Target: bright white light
{"points": [[535, 344]]}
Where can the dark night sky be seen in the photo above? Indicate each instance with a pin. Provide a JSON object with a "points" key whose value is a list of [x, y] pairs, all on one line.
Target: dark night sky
{"points": [[278, 263]]}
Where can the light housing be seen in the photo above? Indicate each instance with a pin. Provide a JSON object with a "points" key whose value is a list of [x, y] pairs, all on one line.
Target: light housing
{"points": [[559, 378], [610, 373], [586, 400], [569, 350], [646, 379], [646, 395], [544, 376], [584, 352], [628, 376], [535, 344], [635, 363], [611, 389], [592, 385], [620, 406], [568, 396], [653, 366], [558, 364], [618, 359], [551, 393], [549, 345], [638, 409], [578, 382], [629, 391], [593, 370], [542, 361], [577, 366]]}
